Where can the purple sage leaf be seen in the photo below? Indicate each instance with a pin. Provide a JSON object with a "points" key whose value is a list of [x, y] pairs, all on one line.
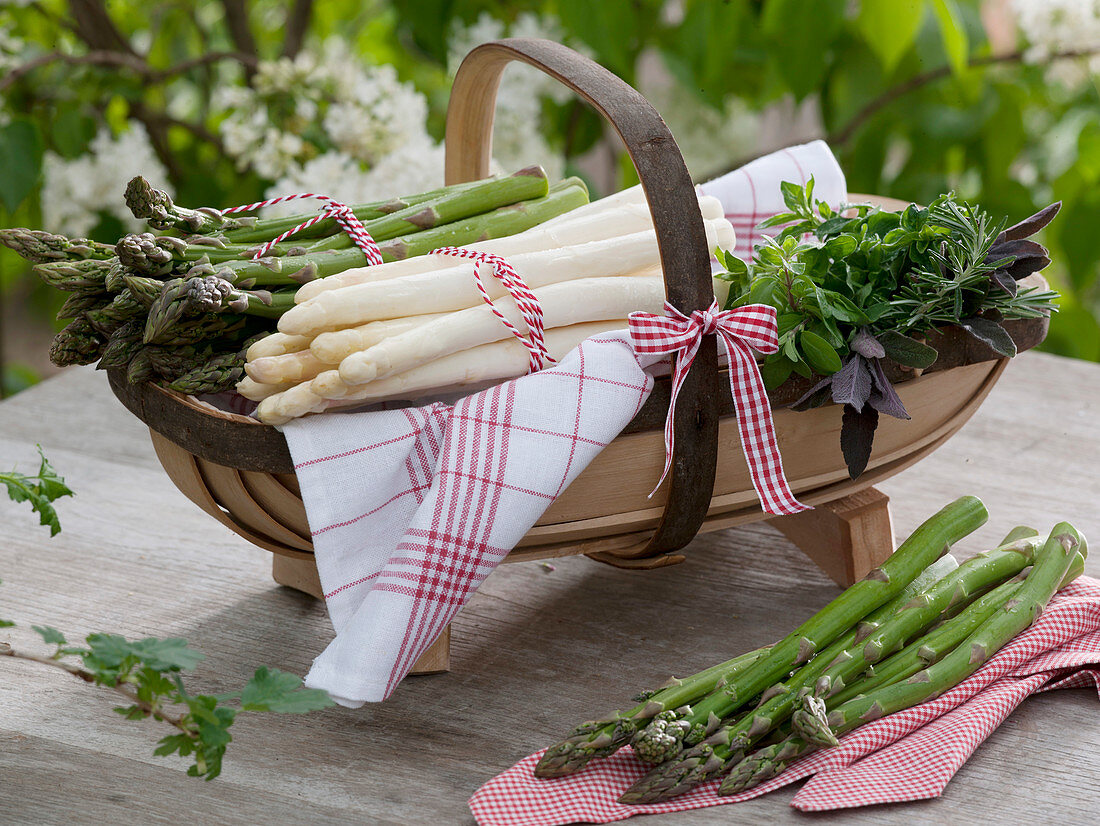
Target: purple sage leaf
{"points": [[991, 333], [867, 345], [852, 383], [1005, 281], [810, 397], [1030, 225], [885, 398], [857, 436]]}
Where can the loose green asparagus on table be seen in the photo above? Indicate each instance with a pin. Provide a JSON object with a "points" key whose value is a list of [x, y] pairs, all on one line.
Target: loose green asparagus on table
{"points": [[920, 642]]}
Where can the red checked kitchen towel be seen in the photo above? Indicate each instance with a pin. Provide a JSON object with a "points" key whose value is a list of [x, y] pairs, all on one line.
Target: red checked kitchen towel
{"points": [[411, 509], [910, 755]]}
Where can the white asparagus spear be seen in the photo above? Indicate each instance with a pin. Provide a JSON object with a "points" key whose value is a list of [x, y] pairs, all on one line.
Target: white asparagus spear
{"points": [[631, 195], [454, 288], [287, 369], [277, 344], [337, 345], [329, 385], [487, 363], [254, 390], [625, 219], [569, 302]]}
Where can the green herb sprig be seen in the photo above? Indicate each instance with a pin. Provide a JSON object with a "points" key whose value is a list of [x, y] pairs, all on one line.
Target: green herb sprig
{"points": [[41, 490]]}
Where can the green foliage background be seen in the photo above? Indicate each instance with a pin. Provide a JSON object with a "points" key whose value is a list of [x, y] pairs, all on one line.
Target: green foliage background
{"points": [[913, 96]]}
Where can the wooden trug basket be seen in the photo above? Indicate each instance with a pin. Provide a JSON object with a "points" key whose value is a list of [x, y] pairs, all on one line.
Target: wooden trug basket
{"points": [[240, 471]]}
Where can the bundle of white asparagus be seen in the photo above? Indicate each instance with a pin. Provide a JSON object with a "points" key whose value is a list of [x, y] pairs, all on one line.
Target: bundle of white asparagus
{"points": [[415, 327]]}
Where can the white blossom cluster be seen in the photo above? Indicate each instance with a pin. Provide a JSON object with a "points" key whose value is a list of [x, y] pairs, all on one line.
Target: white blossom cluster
{"points": [[75, 193], [331, 125], [517, 139], [1053, 26]]}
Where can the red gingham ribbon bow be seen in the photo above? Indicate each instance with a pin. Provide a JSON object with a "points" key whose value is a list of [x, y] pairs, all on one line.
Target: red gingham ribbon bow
{"points": [[753, 326], [343, 214], [526, 301]]}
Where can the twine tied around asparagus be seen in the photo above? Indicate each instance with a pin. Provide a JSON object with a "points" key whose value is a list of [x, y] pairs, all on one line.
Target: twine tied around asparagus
{"points": [[338, 211], [526, 301]]}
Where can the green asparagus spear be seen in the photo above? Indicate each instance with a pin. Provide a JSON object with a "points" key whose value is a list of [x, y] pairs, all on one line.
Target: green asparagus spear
{"points": [[829, 672], [114, 280], [146, 290], [41, 247], [171, 363], [78, 303], [264, 229], [465, 229], [933, 646], [168, 309], [78, 343], [590, 740], [122, 345], [140, 368], [599, 738], [213, 376], [207, 327], [159, 255], [156, 208], [501, 222], [123, 307], [74, 276]]}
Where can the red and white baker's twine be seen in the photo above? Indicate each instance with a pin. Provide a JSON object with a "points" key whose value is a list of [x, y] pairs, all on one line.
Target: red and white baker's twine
{"points": [[526, 301], [341, 212], [753, 326]]}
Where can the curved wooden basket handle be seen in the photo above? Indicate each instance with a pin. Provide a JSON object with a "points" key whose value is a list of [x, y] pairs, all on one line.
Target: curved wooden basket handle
{"points": [[681, 238]]}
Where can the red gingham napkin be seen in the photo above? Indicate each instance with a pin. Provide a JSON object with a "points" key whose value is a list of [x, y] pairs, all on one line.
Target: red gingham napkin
{"points": [[910, 755]]}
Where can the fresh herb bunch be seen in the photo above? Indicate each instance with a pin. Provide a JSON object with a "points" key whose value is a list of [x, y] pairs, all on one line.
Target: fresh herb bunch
{"points": [[854, 286]]}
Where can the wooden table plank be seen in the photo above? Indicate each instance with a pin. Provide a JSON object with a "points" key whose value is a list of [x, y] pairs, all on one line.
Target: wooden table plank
{"points": [[534, 651]]}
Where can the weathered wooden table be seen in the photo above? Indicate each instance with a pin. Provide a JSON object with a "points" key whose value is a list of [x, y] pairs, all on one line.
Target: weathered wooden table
{"points": [[535, 650]]}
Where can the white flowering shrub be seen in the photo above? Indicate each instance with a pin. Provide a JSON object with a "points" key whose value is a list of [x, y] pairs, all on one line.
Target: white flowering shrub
{"points": [[518, 138], [75, 193], [325, 122]]}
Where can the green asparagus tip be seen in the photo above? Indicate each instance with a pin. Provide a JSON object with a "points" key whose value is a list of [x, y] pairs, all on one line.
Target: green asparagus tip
{"points": [[534, 171]]}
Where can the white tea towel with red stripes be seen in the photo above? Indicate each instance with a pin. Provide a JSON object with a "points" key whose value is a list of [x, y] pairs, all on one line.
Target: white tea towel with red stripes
{"points": [[411, 509], [751, 193], [910, 755]]}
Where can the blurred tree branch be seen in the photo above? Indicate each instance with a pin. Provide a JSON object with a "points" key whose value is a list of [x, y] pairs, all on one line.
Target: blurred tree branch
{"points": [[297, 23], [95, 27], [122, 60], [236, 20], [842, 135]]}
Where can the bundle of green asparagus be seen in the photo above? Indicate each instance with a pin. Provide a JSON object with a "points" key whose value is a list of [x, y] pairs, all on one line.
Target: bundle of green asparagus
{"points": [[915, 627], [182, 304]]}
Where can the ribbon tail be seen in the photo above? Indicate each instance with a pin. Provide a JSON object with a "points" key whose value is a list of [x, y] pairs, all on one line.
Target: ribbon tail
{"points": [[757, 431]]}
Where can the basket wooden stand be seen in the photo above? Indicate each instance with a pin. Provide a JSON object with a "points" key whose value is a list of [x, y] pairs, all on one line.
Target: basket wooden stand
{"points": [[240, 471]]}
